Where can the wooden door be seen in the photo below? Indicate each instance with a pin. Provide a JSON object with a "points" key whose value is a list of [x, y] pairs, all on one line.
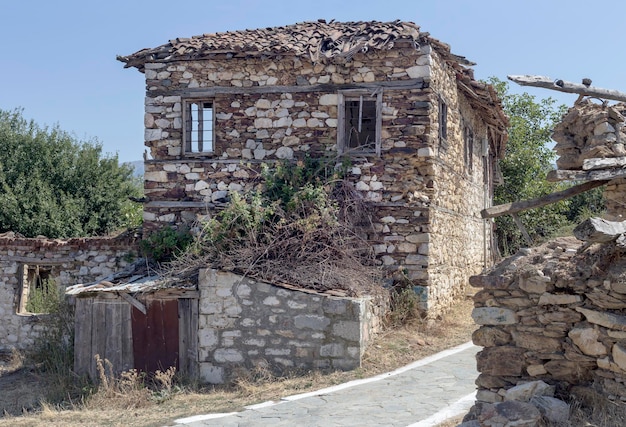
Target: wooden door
{"points": [[155, 336]]}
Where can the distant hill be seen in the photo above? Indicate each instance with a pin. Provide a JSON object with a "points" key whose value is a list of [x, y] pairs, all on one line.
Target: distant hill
{"points": [[137, 166]]}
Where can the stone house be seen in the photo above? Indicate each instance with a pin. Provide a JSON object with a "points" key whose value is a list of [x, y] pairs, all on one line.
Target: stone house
{"points": [[422, 135]]}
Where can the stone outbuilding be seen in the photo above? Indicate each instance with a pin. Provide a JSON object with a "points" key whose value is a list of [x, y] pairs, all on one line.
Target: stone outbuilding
{"points": [[422, 135]]}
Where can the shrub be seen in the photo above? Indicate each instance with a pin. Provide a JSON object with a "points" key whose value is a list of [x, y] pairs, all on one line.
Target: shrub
{"points": [[164, 244]]}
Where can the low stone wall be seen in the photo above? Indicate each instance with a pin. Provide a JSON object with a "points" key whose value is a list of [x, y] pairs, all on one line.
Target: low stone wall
{"points": [[555, 313], [245, 324], [67, 262]]}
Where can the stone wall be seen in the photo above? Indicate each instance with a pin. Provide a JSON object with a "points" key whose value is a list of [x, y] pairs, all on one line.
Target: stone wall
{"points": [[553, 313], [460, 190], [425, 201], [79, 260], [245, 324]]}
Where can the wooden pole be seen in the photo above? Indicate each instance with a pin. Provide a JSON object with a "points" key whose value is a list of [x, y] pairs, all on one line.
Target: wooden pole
{"points": [[568, 87], [511, 208]]}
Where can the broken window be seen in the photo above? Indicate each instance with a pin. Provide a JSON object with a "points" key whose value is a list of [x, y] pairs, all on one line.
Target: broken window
{"points": [[360, 121], [443, 124], [199, 135], [468, 148], [39, 291]]}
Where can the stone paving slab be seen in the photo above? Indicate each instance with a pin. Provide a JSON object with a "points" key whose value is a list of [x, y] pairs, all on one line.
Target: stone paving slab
{"points": [[418, 395]]}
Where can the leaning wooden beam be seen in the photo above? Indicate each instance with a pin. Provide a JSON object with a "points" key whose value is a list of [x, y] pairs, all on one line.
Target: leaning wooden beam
{"points": [[134, 302], [579, 175], [511, 208], [598, 230], [568, 87]]}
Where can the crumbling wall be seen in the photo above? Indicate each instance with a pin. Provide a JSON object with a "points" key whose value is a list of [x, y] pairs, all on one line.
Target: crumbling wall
{"points": [[589, 133], [71, 261], [245, 324], [554, 313]]}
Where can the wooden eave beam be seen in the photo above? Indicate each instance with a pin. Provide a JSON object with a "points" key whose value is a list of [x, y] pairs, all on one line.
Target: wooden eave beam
{"points": [[568, 87], [512, 208]]}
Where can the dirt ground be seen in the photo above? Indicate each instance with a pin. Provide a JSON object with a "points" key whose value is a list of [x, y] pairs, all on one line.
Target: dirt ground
{"points": [[23, 389]]}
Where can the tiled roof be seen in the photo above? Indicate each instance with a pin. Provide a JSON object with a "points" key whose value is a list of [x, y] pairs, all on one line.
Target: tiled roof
{"points": [[318, 40]]}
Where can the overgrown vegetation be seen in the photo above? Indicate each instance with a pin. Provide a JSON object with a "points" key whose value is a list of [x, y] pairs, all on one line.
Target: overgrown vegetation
{"points": [[44, 298], [53, 184], [164, 244], [524, 168], [53, 350], [299, 229]]}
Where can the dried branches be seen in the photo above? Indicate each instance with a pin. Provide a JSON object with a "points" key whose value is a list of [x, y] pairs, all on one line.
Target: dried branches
{"points": [[308, 241]]}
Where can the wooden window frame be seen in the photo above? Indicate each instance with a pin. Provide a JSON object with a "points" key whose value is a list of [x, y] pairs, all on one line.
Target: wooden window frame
{"points": [[189, 131], [353, 95]]}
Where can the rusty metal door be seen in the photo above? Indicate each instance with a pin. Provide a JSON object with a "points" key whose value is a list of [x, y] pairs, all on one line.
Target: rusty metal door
{"points": [[155, 336]]}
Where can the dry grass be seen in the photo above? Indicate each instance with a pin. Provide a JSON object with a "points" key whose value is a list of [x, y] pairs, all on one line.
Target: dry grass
{"points": [[119, 406]]}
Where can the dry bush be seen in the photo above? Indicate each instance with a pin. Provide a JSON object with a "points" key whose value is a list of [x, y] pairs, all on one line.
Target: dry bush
{"points": [[591, 409], [310, 241], [126, 391]]}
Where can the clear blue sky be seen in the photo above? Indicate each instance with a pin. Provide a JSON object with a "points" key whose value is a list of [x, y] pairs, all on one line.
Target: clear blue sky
{"points": [[58, 57]]}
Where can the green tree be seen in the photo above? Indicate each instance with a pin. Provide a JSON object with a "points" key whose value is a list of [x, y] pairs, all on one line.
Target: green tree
{"points": [[528, 159], [55, 185]]}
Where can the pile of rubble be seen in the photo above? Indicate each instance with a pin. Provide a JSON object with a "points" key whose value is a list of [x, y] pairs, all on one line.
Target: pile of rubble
{"points": [[557, 314], [588, 131]]}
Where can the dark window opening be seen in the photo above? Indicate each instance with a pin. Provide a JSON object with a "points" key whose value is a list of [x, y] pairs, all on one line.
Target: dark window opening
{"points": [[360, 123], [468, 143], [443, 124], [199, 127]]}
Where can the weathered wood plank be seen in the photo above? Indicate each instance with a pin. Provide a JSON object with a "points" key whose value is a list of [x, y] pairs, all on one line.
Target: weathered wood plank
{"points": [[326, 87], [604, 163], [126, 339], [511, 208], [133, 301], [82, 336], [598, 230], [567, 87], [580, 175], [98, 335], [112, 350]]}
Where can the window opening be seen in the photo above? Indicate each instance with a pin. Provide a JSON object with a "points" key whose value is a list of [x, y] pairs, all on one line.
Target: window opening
{"points": [[443, 124], [199, 127], [468, 142], [40, 293], [360, 123]]}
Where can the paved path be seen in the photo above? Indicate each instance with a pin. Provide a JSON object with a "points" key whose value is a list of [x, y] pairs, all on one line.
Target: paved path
{"points": [[421, 394]]}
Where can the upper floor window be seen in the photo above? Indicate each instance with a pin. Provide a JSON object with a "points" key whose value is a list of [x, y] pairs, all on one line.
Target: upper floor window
{"points": [[443, 124], [198, 133], [468, 148], [359, 126]]}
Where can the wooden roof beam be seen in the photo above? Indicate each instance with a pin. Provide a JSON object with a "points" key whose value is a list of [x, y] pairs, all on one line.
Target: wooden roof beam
{"points": [[584, 89]]}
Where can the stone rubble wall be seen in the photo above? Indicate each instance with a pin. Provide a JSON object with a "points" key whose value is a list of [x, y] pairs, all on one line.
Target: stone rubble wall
{"points": [[78, 260], [589, 130], [245, 324], [554, 314]]}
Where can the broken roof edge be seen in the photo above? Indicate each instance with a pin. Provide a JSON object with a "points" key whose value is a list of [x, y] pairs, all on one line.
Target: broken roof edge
{"points": [[317, 40]]}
